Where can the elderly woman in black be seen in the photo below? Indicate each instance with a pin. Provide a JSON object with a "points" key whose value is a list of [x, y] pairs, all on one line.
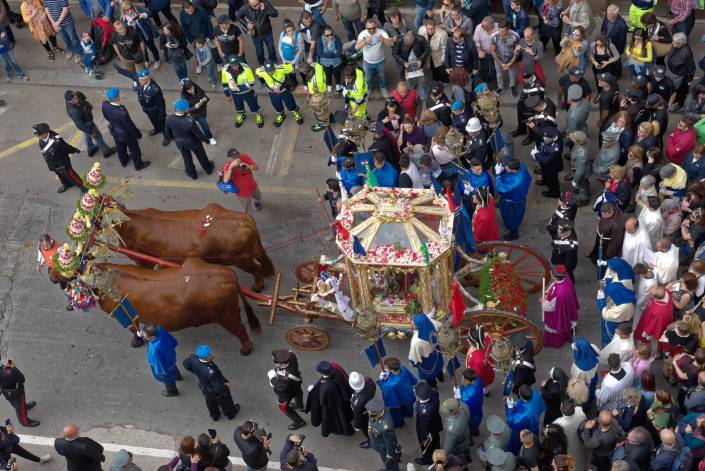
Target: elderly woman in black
{"points": [[681, 68]]}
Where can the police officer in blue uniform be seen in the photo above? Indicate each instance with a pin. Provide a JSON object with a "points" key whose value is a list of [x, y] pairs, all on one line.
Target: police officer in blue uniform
{"points": [[212, 383], [548, 156], [124, 131], [189, 139], [151, 98], [428, 421], [383, 438]]}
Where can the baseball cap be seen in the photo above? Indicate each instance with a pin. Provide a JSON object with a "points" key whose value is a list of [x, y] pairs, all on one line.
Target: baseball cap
{"points": [[269, 67], [223, 19], [660, 70], [633, 93], [233, 152], [653, 100], [606, 77], [203, 351], [575, 92], [69, 94], [575, 72]]}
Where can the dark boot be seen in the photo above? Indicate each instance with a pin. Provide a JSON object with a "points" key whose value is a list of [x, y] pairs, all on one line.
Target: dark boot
{"points": [[297, 421]]}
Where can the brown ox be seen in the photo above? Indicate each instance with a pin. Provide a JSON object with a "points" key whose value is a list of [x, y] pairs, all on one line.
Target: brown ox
{"points": [[194, 294], [231, 238]]}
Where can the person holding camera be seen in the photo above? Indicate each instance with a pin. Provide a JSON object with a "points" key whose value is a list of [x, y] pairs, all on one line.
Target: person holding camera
{"points": [[12, 384], [212, 452], [10, 445], [253, 444], [238, 169], [295, 456]]}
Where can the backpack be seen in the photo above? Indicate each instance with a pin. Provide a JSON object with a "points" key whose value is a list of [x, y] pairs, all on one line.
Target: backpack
{"points": [[684, 460]]}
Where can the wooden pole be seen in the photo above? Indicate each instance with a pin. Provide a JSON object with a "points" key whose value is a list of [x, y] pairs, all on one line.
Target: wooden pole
{"points": [[275, 298], [323, 208]]}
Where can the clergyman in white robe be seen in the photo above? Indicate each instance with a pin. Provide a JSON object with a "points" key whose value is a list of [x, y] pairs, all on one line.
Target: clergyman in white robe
{"points": [[651, 221], [570, 424], [610, 393], [665, 261], [636, 242], [622, 344]]}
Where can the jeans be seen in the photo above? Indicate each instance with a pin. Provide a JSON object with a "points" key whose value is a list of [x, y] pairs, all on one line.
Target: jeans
{"points": [[250, 98], [11, 63], [180, 69], [260, 42], [513, 73], [88, 61], [372, 70], [317, 17], [249, 468], [204, 126], [583, 189], [70, 38], [98, 138], [353, 27], [420, 14], [284, 98], [419, 84], [153, 49], [209, 69]]}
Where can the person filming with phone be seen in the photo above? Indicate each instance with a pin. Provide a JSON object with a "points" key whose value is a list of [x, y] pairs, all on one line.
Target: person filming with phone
{"points": [[253, 443], [212, 452], [294, 456], [10, 445]]}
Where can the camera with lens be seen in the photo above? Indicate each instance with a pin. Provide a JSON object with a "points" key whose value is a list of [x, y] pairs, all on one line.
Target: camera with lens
{"points": [[10, 462], [261, 433], [243, 167]]}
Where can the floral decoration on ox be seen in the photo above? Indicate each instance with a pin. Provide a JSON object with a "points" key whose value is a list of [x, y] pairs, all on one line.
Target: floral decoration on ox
{"points": [[500, 286], [95, 178], [88, 203], [65, 261]]}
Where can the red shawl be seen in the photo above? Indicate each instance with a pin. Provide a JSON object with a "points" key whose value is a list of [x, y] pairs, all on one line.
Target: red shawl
{"points": [[484, 223], [679, 144]]}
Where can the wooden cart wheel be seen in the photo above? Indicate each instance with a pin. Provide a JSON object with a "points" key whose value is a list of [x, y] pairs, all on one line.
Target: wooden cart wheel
{"points": [[307, 338], [529, 264], [500, 324]]}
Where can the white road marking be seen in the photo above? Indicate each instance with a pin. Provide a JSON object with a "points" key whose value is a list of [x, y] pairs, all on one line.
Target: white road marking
{"points": [[273, 154], [144, 451]]}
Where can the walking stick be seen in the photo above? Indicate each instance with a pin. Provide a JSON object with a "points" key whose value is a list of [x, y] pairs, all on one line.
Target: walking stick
{"points": [[599, 257], [323, 207]]}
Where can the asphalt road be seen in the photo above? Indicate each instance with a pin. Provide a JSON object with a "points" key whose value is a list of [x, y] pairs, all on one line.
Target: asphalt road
{"points": [[80, 367]]}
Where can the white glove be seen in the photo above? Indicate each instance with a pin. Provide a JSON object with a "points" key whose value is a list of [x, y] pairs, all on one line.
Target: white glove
{"points": [[271, 374], [575, 185], [383, 375], [600, 294], [456, 392], [533, 152], [468, 188], [498, 168], [309, 388], [333, 158], [602, 263]]}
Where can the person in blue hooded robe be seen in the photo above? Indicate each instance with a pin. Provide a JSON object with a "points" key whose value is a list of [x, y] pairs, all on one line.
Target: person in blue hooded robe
{"points": [[397, 385], [471, 393], [524, 413], [424, 353], [477, 178], [617, 301], [586, 357], [512, 185], [161, 355]]}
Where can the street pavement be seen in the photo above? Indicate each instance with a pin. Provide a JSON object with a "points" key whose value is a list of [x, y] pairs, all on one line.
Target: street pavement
{"points": [[80, 366]]}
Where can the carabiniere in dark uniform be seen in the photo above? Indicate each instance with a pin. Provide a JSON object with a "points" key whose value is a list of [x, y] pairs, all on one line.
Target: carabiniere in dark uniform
{"points": [[428, 421], [56, 153], [12, 383], [188, 138], [151, 99], [532, 86]]}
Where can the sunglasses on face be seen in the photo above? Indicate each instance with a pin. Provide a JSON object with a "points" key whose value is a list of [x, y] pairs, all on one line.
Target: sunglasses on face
{"points": [[371, 30], [330, 35]]}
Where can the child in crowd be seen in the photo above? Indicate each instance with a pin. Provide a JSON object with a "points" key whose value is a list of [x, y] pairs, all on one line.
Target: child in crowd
{"points": [[641, 361], [660, 411], [350, 178], [11, 65], [204, 57], [89, 53]]}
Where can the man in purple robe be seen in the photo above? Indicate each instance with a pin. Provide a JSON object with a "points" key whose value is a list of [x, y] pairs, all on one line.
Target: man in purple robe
{"points": [[560, 309]]}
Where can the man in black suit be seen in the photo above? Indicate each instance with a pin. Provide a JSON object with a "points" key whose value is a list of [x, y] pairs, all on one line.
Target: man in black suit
{"points": [[615, 28], [81, 453], [188, 138], [123, 129], [12, 383]]}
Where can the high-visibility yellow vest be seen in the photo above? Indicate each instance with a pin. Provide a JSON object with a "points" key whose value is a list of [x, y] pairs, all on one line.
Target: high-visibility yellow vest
{"points": [[276, 78], [358, 91], [317, 82], [240, 83]]}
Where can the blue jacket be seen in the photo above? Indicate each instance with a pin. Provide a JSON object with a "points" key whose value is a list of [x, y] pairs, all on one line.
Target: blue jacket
{"points": [[694, 169], [350, 178], [520, 20], [184, 132], [387, 176], [198, 24], [120, 124], [336, 53]]}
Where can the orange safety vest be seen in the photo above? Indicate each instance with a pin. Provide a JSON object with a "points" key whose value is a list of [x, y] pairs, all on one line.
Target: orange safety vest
{"points": [[48, 254]]}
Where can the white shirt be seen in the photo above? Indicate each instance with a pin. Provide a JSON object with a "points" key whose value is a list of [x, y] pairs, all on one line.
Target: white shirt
{"points": [[414, 174], [666, 266], [635, 245], [482, 38], [620, 346], [373, 52], [611, 389], [570, 426]]}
